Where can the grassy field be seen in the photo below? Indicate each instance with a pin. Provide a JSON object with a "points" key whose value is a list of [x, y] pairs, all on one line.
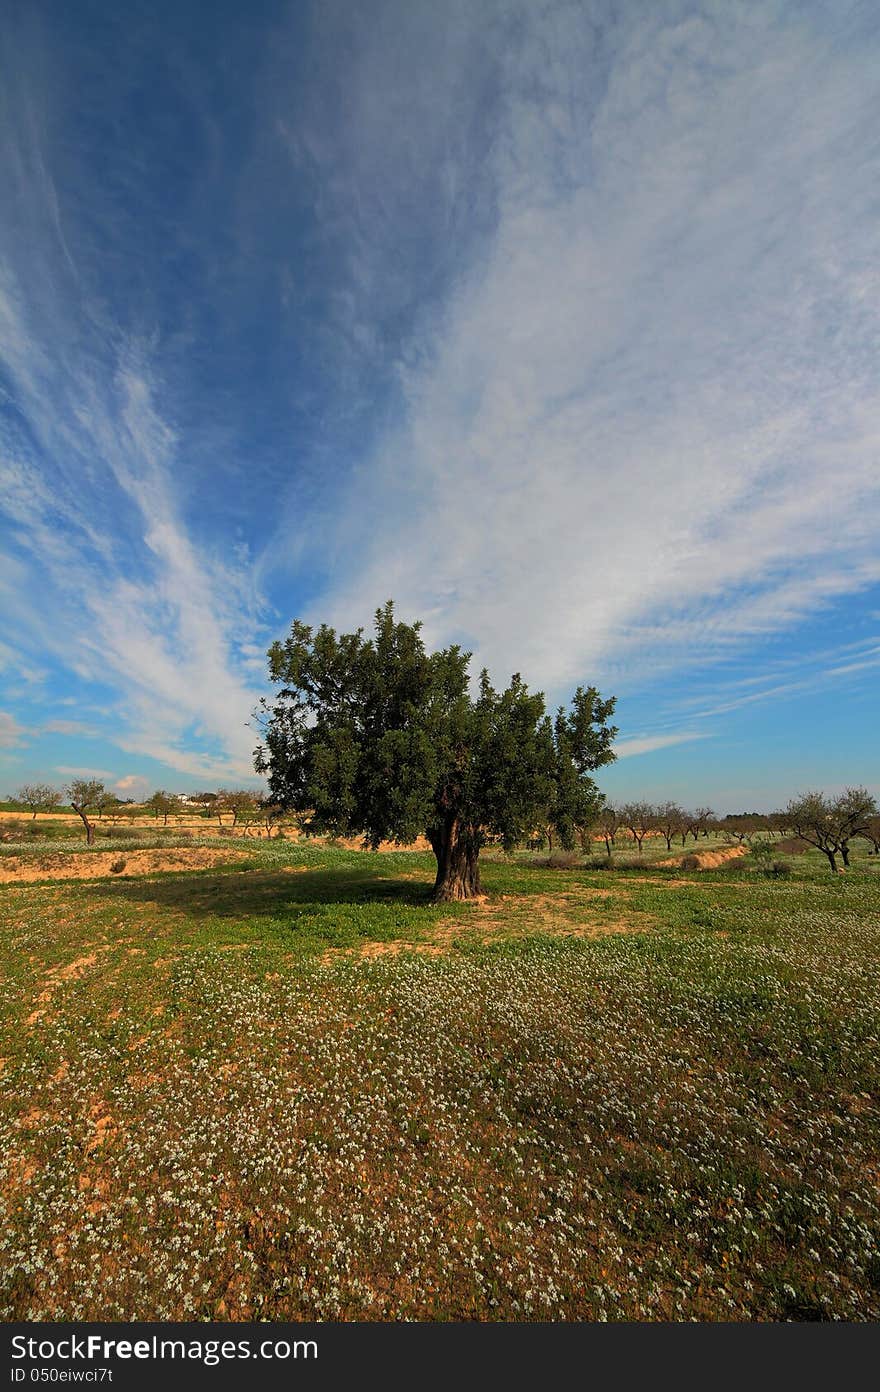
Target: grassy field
{"points": [[291, 1088]]}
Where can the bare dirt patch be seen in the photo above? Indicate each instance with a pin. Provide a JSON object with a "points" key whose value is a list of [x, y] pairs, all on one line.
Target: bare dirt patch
{"points": [[92, 865], [72, 971], [104, 1127], [494, 920], [369, 952]]}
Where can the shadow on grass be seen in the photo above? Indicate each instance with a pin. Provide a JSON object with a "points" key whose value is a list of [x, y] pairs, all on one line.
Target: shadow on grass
{"points": [[269, 893]]}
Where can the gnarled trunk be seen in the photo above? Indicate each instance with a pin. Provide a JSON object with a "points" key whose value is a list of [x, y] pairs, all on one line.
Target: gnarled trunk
{"points": [[457, 849]]}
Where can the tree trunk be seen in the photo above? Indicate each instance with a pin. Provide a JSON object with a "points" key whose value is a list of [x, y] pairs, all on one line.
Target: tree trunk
{"points": [[90, 830], [831, 860], [844, 851], [457, 851]]}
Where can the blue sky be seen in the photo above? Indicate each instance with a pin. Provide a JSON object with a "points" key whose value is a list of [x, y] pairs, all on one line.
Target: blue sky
{"points": [[555, 322]]}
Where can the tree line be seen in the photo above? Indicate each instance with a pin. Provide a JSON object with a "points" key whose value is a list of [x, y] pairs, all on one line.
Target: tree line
{"points": [[828, 823], [92, 801]]}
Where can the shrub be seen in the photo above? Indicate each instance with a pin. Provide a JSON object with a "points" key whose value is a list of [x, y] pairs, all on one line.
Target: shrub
{"points": [[117, 866], [779, 870], [562, 860], [689, 862], [762, 852]]}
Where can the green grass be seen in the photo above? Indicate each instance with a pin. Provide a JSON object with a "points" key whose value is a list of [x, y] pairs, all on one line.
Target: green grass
{"points": [[292, 1088]]}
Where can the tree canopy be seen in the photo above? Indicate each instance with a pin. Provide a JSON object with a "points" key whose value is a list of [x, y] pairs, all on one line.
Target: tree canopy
{"points": [[85, 796], [831, 823], [378, 737], [38, 797]]}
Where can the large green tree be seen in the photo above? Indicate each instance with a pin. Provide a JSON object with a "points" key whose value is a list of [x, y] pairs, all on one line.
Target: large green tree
{"points": [[379, 738]]}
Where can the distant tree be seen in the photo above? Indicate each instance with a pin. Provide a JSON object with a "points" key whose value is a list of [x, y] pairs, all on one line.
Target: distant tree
{"points": [[380, 738], [639, 819], [106, 804], [742, 826], [238, 801], [670, 820], [872, 833], [38, 797], [702, 820], [609, 826], [163, 804], [84, 795], [830, 824], [271, 813], [588, 831]]}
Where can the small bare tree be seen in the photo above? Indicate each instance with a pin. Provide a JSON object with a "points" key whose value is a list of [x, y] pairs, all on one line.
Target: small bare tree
{"points": [[163, 804], [638, 818], [609, 825], [106, 805], [669, 819], [238, 801], [830, 824], [85, 795], [38, 797], [872, 834]]}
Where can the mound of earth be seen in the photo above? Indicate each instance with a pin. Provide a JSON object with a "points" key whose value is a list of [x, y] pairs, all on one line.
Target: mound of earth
{"points": [[706, 860], [91, 865]]}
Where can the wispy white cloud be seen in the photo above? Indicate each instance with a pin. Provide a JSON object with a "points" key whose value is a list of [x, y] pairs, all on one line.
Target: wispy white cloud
{"points": [[12, 734], [647, 744], [132, 785], [644, 425], [808, 673], [137, 609], [597, 309], [71, 727], [104, 579], [162, 635]]}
